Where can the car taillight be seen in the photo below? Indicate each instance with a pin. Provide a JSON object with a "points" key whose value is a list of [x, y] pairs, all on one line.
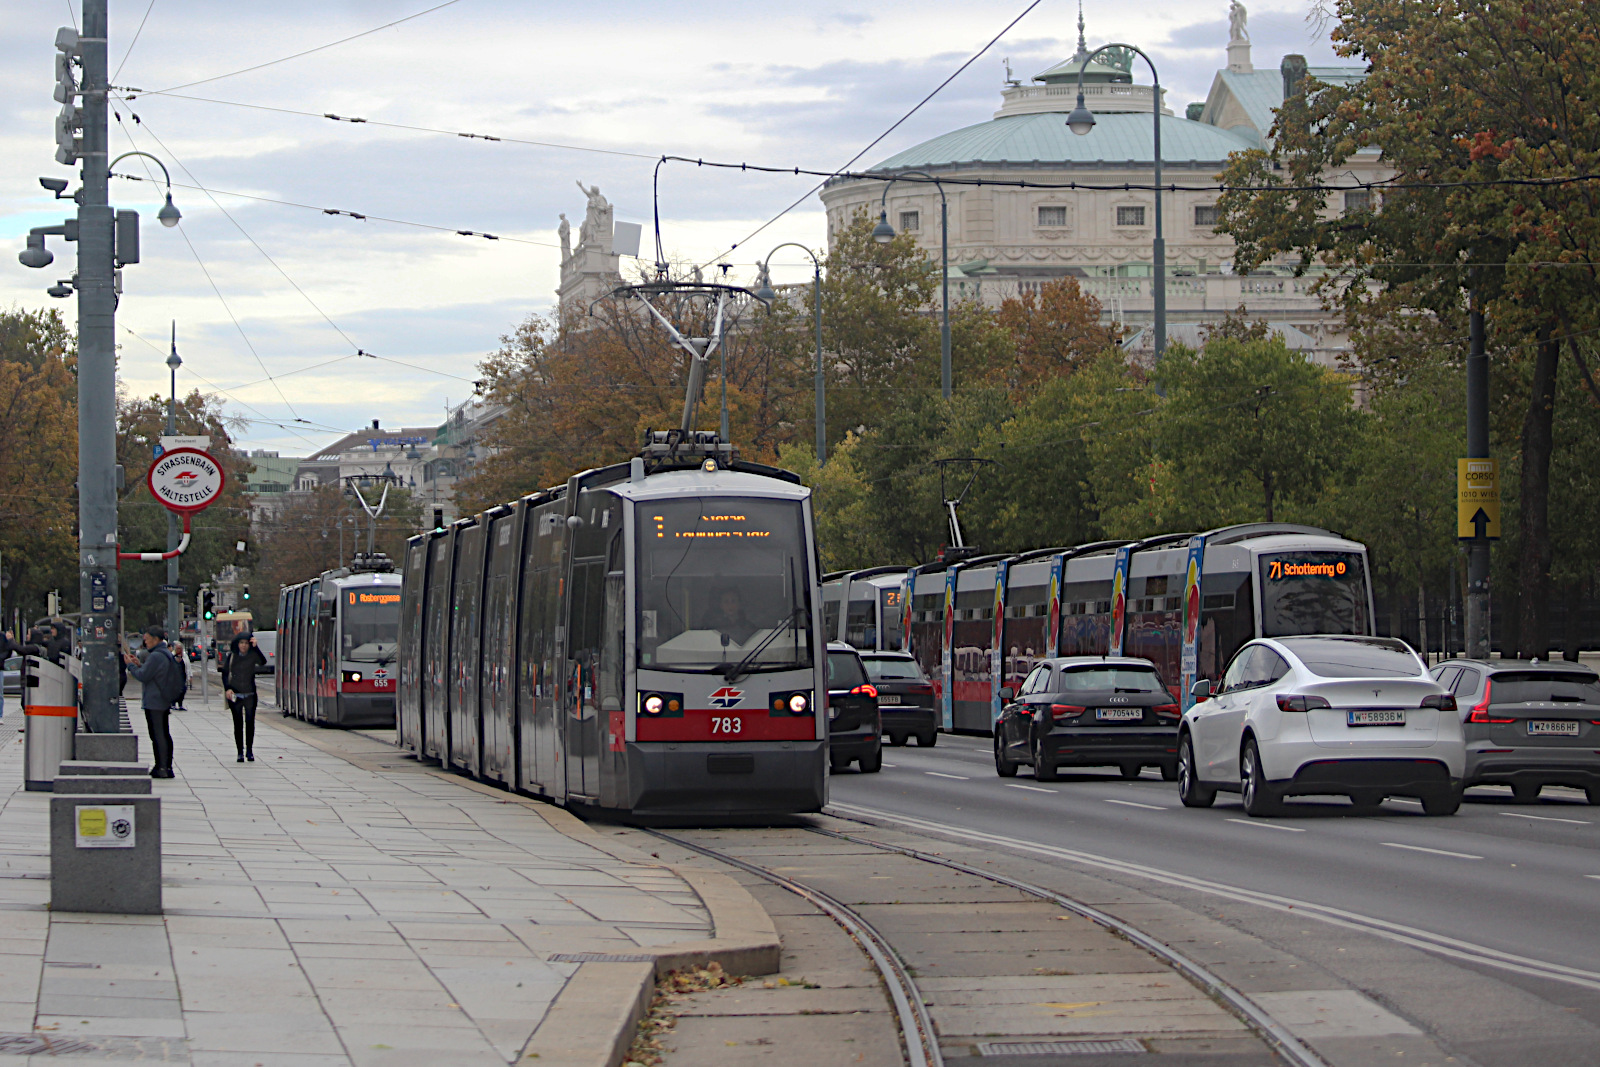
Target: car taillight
{"points": [[1171, 711], [865, 689], [1442, 701], [1066, 711], [1297, 702], [1480, 710]]}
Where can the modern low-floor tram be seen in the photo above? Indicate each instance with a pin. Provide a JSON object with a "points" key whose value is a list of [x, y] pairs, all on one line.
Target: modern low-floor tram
{"points": [[1184, 601], [643, 639], [337, 644]]}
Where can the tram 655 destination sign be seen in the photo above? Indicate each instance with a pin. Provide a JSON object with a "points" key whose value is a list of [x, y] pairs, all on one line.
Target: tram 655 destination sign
{"points": [[185, 480]]}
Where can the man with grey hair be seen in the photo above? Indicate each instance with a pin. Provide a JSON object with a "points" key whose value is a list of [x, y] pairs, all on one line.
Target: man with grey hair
{"points": [[163, 680]]}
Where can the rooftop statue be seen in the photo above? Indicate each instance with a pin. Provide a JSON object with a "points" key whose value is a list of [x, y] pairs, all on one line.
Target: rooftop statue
{"points": [[1236, 20]]}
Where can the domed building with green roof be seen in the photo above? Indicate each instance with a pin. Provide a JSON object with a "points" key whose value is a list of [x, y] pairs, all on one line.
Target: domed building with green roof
{"points": [[1006, 239]]}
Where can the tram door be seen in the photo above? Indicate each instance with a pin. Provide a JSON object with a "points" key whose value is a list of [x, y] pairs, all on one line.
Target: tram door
{"points": [[586, 721], [408, 695], [538, 710], [436, 649], [328, 675], [499, 633], [465, 646]]}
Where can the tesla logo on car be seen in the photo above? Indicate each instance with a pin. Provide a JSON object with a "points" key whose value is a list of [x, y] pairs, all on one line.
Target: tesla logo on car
{"points": [[727, 697], [1377, 692]]}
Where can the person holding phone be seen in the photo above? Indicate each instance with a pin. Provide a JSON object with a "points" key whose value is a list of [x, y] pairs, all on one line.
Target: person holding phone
{"points": [[239, 682]]}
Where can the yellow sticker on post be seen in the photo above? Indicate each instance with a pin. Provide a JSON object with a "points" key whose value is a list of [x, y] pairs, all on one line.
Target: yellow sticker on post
{"points": [[105, 826], [1477, 498]]}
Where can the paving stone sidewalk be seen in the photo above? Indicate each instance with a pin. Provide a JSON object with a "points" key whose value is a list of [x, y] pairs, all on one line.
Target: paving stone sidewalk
{"points": [[318, 912]]}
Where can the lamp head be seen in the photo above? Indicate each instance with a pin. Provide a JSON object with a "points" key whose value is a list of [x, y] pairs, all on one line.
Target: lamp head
{"points": [[168, 215], [36, 254], [60, 290], [883, 233], [1081, 121], [174, 362], [764, 291]]}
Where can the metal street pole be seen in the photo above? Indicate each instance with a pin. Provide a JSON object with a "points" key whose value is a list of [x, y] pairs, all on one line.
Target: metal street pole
{"points": [[1081, 122], [1477, 448], [174, 609], [97, 392], [883, 233], [767, 295]]}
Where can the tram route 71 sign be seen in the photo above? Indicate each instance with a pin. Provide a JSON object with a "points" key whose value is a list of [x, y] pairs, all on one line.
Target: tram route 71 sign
{"points": [[186, 480]]}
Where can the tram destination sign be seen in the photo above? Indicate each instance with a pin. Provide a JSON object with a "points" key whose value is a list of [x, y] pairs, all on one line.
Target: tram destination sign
{"points": [[185, 480]]}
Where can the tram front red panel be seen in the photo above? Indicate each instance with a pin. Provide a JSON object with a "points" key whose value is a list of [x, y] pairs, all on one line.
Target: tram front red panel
{"points": [[734, 724]]}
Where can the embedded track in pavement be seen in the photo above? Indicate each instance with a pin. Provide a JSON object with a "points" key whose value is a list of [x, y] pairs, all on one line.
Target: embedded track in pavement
{"points": [[953, 997]]}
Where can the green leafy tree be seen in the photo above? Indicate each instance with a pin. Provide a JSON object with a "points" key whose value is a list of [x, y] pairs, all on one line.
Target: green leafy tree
{"points": [[1459, 95]]}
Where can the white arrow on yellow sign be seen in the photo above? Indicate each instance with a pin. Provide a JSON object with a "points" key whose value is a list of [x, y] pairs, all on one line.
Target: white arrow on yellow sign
{"points": [[1477, 498]]}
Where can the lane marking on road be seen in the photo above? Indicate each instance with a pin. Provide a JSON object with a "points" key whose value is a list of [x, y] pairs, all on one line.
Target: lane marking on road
{"points": [[1030, 788], [1596, 877], [891, 765], [1434, 851], [957, 777], [1414, 937], [1404, 800], [1269, 825], [1544, 818], [1133, 804]]}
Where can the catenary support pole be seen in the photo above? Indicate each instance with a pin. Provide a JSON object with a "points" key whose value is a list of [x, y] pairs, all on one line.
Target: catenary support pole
{"points": [[97, 387], [821, 397], [946, 373], [174, 610], [1477, 448]]}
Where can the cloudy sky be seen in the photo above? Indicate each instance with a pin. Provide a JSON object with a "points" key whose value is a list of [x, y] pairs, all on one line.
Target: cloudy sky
{"points": [[272, 301]]}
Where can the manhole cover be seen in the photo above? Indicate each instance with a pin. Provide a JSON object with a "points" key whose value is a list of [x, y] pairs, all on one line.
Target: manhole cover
{"points": [[1057, 1048]]}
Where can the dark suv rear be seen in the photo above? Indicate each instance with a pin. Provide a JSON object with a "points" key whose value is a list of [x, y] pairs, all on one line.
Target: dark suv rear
{"points": [[1528, 724], [905, 697], [855, 729], [1088, 711]]}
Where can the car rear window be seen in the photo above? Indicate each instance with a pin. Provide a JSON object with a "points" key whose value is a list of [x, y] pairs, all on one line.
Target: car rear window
{"points": [[844, 670], [892, 669], [1332, 658], [1110, 680], [1519, 687]]}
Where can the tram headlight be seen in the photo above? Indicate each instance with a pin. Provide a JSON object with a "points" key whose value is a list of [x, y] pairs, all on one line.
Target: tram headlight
{"points": [[352, 676], [790, 702], [653, 704], [669, 705], [799, 703]]}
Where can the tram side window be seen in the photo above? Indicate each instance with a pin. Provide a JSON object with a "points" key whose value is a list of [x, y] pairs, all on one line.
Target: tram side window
{"points": [[830, 620], [1227, 620], [861, 624]]}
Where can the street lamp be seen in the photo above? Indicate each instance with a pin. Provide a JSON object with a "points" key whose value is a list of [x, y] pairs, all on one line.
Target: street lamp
{"points": [[883, 233], [765, 294], [1081, 122], [174, 610], [169, 215]]}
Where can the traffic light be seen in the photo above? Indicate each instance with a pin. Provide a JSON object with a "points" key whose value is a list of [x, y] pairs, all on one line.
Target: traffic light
{"points": [[208, 606], [247, 592], [68, 144]]}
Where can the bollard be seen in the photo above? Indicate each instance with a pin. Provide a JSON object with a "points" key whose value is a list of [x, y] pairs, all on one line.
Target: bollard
{"points": [[105, 853], [112, 784], [106, 748], [50, 718]]}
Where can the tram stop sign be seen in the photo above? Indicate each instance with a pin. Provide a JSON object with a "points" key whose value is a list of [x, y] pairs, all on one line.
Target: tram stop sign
{"points": [[185, 480]]}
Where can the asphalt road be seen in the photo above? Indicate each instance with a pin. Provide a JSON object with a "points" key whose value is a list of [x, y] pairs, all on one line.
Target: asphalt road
{"points": [[1506, 893]]}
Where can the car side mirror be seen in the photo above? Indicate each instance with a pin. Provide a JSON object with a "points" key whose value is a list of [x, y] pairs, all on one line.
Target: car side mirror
{"points": [[1201, 690], [1007, 693]]}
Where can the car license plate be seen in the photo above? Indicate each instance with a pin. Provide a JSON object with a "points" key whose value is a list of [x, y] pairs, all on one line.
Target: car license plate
{"points": [[1556, 727], [888, 698], [1376, 717], [1119, 714]]}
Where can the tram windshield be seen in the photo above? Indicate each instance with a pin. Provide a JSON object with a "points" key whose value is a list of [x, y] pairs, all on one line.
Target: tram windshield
{"points": [[723, 584], [370, 624], [1313, 593]]}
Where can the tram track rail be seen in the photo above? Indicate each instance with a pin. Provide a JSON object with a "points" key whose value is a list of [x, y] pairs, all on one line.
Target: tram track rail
{"points": [[920, 1041]]}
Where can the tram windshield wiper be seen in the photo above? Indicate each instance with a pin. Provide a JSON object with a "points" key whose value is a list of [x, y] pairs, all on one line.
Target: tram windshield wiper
{"points": [[731, 674]]}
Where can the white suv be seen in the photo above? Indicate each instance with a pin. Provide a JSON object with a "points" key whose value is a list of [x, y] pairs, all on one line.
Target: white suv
{"points": [[1357, 716]]}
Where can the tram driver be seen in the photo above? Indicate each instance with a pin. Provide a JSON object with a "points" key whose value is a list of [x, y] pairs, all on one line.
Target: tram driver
{"points": [[727, 616]]}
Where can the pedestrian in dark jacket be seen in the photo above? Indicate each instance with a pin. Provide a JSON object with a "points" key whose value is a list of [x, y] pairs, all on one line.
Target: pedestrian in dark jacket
{"points": [[239, 682], [159, 674]]}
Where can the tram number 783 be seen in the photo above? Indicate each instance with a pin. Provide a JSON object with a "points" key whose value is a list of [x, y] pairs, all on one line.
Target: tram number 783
{"points": [[722, 724]]}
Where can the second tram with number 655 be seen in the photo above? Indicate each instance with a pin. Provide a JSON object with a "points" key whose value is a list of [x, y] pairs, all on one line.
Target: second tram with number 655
{"points": [[337, 637]]}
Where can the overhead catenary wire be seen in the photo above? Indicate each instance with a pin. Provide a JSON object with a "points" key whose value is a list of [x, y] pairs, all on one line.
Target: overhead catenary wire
{"points": [[133, 93], [308, 51], [876, 140], [148, 8]]}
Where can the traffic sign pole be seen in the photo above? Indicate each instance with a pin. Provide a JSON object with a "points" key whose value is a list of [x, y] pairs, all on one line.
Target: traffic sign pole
{"points": [[1478, 449]]}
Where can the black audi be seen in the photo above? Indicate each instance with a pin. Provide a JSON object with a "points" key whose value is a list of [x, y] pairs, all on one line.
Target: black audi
{"points": [[1088, 711], [905, 697], [855, 729]]}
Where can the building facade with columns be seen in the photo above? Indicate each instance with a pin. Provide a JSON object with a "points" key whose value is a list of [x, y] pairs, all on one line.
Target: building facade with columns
{"points": [[1006, 239]]}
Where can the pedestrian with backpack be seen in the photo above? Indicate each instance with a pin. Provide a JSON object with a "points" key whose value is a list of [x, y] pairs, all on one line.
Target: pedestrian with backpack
{"points": [[239, 682], [164, 684]]}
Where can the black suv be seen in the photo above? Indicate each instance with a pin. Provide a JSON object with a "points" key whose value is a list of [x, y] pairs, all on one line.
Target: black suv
{"points": [[855, 729], [1528, 724], [905, 697], [1088, 711]]}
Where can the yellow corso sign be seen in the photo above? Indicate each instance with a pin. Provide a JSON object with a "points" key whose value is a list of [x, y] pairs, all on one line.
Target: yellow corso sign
{"points": [[1477, 498]]}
